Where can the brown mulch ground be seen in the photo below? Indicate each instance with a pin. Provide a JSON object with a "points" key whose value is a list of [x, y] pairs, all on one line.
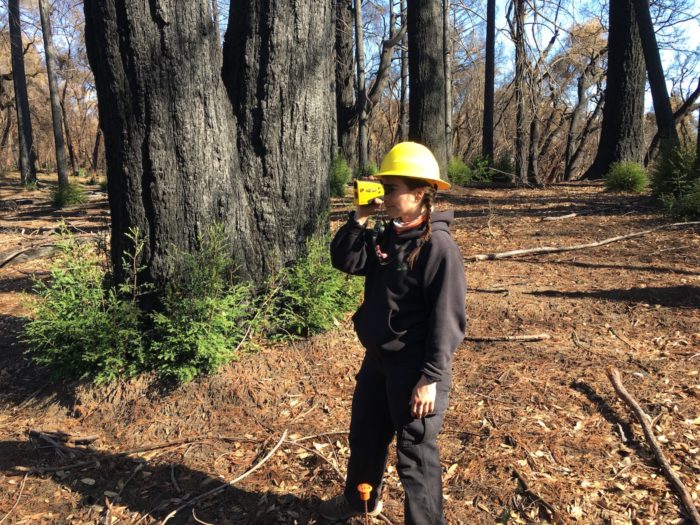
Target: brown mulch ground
{"points": [[543, 410]]}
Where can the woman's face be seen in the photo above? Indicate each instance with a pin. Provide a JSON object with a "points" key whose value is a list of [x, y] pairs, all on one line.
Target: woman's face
{"points": [[400, 202]]}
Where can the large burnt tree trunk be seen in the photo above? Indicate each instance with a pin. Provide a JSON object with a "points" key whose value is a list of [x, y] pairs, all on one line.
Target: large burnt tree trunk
{"points": [[344, 92], [621, 134], [426, 115], [362, 132], [27, 155], [56, 119], [402, 134], [187, 146], [489, 76], [278, 68]]}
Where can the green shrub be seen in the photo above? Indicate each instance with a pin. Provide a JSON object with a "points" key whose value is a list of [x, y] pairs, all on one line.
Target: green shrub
{"points": [[68, 195], [626, 176], [477, 170], [82, 173], [458, 172], [340, 175], [686, 206], [674, 173], [80, 328], [313, 295], [205, 315], [480, 170]]}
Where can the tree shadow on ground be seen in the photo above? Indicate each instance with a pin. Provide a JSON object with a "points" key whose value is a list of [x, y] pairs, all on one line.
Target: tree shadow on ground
{"points": [[143, 487], [684, 296], [612, 417], [649, 268]]}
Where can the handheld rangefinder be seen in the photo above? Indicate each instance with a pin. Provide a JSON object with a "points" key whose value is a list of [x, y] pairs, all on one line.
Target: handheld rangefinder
{"points": [[364, 191]]}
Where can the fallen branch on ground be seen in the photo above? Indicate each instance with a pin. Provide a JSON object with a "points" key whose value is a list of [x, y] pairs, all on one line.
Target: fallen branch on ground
{"points": [[557, 249], [644, 420], [560, 217], [220, 488], [19, 495], [505, 338]]}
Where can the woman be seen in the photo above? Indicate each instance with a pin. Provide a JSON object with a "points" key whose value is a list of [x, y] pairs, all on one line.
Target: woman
{"points": [[411, 321]]}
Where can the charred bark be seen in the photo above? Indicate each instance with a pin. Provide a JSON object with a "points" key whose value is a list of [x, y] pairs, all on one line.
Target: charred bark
{"points": [[186, 148], [621, 135], [344, 92], [27, 154], [427, 77], [489, 76]]}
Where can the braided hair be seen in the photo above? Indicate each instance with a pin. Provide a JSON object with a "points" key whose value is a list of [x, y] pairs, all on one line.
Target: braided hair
{"points": [[427, 202]]}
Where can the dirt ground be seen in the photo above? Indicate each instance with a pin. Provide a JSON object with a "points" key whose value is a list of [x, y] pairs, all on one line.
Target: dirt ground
{"points": [[540, 414]]}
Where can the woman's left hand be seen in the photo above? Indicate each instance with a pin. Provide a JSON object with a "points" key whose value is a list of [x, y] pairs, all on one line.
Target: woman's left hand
{"points": [[423, 398]]}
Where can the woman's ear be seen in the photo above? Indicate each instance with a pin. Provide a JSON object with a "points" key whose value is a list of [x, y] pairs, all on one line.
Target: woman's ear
{"points": [[418, 194]]}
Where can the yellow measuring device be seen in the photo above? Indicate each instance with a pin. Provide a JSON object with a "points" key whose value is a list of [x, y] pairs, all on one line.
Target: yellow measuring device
{"points": [[364, 191]]}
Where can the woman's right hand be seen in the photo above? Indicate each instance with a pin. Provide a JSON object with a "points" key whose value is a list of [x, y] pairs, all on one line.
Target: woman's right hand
{"points": [[363, 213]]}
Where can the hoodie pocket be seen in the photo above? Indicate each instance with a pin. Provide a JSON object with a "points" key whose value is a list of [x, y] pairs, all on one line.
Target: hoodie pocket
{"points": [[374, 329]]}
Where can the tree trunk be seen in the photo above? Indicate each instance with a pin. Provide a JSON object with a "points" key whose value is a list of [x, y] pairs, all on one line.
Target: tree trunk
{"points": [[362, 139], [403, 104], [66, 127], [576, 117], [4, 137], [621, 135], [27, 154], [447, 64], [533, 176], [427, 77], [489, 80], [655, 72], [96, 150], [520, 71], [51, 68], [344, 92], [278, 63], [678, 115], [186, 148]]}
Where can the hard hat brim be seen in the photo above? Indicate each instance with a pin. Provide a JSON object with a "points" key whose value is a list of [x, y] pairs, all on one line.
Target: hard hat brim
{"points": [[438, 183]]}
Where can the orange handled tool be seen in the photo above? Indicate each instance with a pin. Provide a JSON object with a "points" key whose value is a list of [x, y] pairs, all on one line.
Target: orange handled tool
{"points": [[364, 489]]}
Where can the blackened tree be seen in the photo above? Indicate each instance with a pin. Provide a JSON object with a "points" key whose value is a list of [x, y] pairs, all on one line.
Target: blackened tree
{"points": [[426, 115], [27, 155], [621, 134], [189, 144]]}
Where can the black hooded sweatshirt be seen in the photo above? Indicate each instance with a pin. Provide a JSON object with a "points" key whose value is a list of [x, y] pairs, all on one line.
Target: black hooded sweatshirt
{"points": [[417, 310]]}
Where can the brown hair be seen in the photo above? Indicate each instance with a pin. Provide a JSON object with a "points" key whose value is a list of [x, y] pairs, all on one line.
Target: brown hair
{"points": [[428, 200]]}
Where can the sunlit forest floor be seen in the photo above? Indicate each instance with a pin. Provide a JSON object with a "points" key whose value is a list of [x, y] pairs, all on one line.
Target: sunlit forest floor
{"points": [[541, 413]]}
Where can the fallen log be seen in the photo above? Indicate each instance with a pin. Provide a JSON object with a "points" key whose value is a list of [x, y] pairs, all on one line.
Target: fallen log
{"points": [[557, 249], [644, 420]]}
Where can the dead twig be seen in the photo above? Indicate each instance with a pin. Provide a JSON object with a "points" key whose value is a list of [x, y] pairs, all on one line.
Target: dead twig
{"points": [[560, 217], [19, 495], [644, 420], [556, 249], [220, 488], [504, 338], [556, 517]]}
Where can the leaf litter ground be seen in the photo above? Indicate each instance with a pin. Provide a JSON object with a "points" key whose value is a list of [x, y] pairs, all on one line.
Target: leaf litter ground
{"points": [[534, 432]]}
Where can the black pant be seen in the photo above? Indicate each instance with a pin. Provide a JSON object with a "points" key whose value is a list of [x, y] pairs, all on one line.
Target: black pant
{"points": [[380, 410]]}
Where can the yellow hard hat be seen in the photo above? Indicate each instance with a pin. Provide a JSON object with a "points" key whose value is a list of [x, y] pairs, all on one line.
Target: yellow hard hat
{"points": [[412, 160]]}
